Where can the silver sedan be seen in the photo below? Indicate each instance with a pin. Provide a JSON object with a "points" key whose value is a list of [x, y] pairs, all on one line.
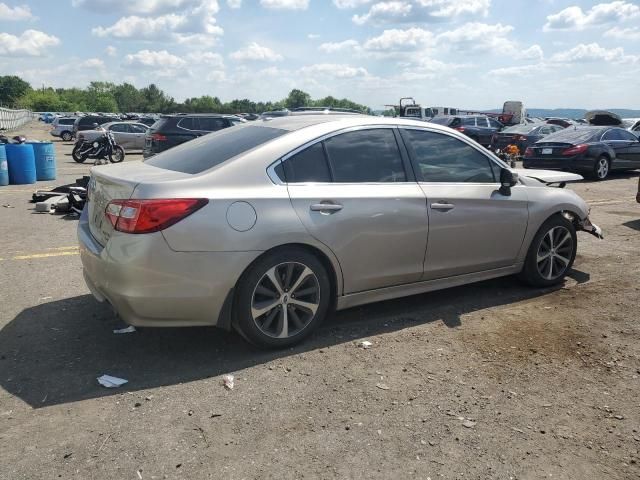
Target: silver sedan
{"points": [[128, 135], [268, 226]]}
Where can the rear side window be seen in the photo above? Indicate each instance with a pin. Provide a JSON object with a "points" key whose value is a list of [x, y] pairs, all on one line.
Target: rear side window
{"points": [[211, 124], [210, 150], [628, 136], [120, 127], [309, 165], [66, 121], [471, 122], [365, 156], [442, 158]]}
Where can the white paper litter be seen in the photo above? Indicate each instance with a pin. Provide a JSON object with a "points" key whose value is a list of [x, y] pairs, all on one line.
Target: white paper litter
{"points": [[111, 382], [365, 344], [129, 329], [227, 381]]}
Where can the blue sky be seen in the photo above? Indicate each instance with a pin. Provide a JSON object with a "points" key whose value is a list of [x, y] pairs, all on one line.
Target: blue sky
{"points": [[463, 53]]}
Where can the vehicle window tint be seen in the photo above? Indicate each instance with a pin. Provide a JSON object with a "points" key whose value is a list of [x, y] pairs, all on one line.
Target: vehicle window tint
{"points": [[442, 158], [210, 150], [469, 121], [188, 123], [365, 156], [138, 128], [66, 121], [494, 123], [481, 122], [212, 124], [612, 134], [309, 165], [443, 120], [120, 127], [628, 136]]}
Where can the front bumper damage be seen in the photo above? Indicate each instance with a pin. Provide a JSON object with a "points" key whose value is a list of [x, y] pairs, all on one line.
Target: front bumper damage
{"points": [[584, 225]]}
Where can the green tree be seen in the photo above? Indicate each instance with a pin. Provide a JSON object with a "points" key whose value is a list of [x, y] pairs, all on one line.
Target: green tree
{"points": [[128, 98], [11, 89], [297, 98]]}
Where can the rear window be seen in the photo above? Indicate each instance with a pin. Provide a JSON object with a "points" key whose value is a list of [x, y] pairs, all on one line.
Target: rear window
{"points": [[441, 120], [520, 128], [66, 121], [158, 124], [570, 135], [206, 152]]}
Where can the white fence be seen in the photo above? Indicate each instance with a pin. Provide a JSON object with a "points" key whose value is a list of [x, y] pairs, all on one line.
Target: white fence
{"points": [[12, 119]]}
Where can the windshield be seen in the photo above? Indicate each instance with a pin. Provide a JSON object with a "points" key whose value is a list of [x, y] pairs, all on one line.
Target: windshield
{"points": [[521, 128], [210, 150], [441, 120], [572, 134]]}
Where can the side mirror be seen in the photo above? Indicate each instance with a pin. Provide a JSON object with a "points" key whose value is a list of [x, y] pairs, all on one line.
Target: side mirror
{"points": [[508, 179]]}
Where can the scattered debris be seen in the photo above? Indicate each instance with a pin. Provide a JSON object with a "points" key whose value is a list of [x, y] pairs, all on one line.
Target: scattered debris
{"points": [[365, 344], [228, 381], [382, 386], [67, 455], [129, 329], [468, 424], [618, 417], [517, 430], [8, 206], [111, 382], [215, 415], [139, 472]]}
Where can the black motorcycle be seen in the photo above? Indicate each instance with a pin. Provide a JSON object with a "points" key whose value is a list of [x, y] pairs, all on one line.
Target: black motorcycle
{"points": [[99, 149]]}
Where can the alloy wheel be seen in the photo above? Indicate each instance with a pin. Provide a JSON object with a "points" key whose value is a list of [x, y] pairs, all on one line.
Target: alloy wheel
{"points": [[554, 253], [602, 168], [285, 300]]}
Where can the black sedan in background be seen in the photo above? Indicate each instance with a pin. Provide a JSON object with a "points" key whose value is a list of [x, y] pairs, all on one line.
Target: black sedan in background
{"points": [[595, 151], [522, 135], [478, 127]]}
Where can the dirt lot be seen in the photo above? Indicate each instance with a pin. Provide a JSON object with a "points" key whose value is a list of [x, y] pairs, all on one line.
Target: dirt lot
{"points": [[493, 380]]}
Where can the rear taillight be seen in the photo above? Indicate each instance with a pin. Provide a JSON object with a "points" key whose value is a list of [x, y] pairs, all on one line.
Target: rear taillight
{"points": [[460, 129], [528, 152], [575, 150], [520, 138], [146, 216], [158, 137]]}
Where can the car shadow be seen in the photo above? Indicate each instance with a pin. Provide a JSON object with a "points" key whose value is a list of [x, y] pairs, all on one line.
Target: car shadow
{"points": [[634, 224], [52, 353], [614, 175]]}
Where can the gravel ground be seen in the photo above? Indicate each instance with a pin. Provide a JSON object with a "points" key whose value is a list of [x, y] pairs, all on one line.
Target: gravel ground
{"points": [[492, 380]]}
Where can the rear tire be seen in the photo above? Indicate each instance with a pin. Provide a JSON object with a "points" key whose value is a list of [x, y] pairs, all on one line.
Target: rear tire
{"points": [[551, 253], [278, 316], [601, 168], [66, 136]]}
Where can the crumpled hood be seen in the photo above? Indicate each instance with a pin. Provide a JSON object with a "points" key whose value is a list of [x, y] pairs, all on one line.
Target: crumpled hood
{"points": [[602, 117], [548, 176]]}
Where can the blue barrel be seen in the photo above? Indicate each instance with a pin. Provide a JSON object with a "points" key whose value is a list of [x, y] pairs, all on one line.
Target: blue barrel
{"points": [[4, 167], [22, 163], [45, 160]]}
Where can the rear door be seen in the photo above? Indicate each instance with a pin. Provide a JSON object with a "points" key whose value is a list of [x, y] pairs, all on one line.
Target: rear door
{"points": [[121, 134], [138, 133], [355, 193], [472, 226]]}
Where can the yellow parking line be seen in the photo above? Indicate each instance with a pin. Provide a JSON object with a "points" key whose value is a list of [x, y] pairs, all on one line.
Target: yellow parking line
{"points": [[45, 255]]}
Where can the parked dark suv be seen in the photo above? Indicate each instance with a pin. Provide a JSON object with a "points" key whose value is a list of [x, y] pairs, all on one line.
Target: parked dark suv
{"points": [[478, 127], [86, 123], [172, 130]]}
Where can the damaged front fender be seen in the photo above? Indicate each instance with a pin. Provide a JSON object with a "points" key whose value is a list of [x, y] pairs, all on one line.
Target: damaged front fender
{"points": [[585, 225]]}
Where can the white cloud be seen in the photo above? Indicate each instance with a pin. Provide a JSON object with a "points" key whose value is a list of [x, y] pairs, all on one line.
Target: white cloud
{"points": [[210, 59], [111, 51], [234, 3], [415, 11], [254, 51], [93, 63], [285, 4], [393, 11], [593, 52], [334, 70], [142, 27], [17, 13], [519, 70], [154, 59], [396, 39], [628, 34], [146, 7], [313, 36], [574, 18], [31, 43], [333, 47]]}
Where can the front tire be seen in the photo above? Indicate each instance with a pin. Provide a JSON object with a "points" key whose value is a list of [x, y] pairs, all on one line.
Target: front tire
{"points": [[76, 156], [551, 253], [601, 168], [117, 155], [66, 136], [282, 298]]}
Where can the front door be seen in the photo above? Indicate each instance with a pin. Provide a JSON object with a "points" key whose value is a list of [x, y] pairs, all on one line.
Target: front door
{"points": [[627, 148], [355, 193], [472, 226]]}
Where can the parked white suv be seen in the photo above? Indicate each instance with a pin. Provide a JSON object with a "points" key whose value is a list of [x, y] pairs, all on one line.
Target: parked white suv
{"points": [[62, 127]]}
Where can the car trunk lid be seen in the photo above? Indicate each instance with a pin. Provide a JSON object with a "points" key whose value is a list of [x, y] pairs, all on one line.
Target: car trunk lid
{"points": [[546, 149], [111, 182]]}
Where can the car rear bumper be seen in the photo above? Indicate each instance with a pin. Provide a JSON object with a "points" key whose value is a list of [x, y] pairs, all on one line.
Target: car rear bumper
{"points": [[565, 163], [150, 285]]}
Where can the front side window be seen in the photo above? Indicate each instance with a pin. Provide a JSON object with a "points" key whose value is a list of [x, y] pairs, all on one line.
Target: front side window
{"points": [[365, 156], [470, 122], [138, 128], [119, 128], [211, 124], [612, 135], [442, 158], [629, 137]]}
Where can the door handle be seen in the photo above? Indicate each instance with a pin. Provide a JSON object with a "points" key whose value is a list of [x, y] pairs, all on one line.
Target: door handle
{"points": [[326, 207], [442, 206]]}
